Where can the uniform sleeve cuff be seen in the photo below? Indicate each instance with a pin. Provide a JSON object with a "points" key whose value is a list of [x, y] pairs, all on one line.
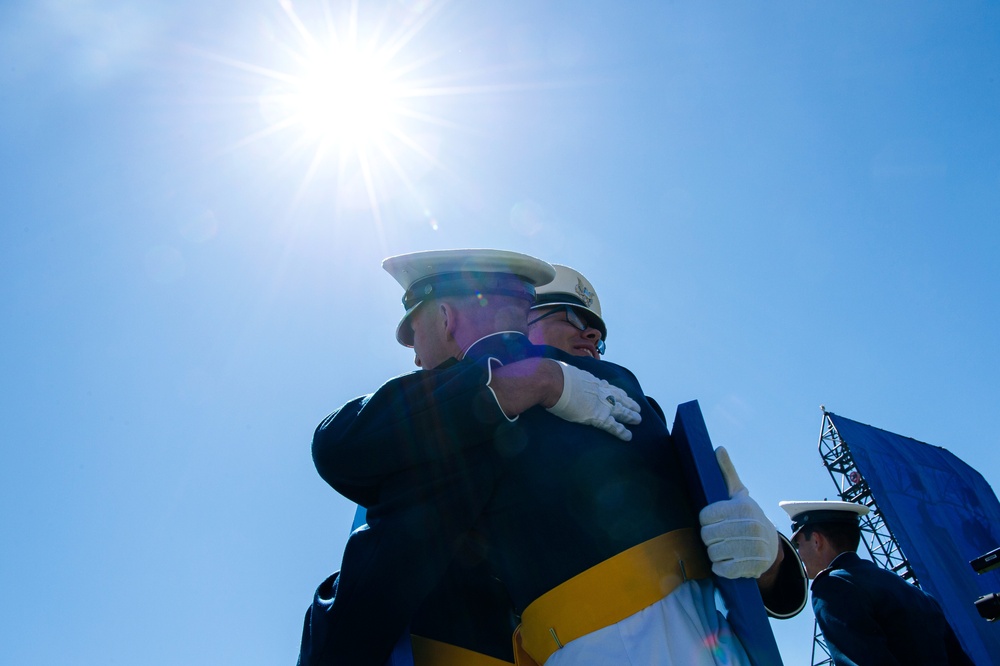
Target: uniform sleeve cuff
{"points": [[791, 590], [490, 361]]}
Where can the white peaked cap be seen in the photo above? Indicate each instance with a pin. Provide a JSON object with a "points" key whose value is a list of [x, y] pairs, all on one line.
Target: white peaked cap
{"points": [[570, 287], [437, 273], [826, 511]]}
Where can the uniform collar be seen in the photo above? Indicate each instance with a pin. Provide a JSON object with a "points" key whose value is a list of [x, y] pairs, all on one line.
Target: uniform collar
{"points": [[842, 561], [505, 345]]}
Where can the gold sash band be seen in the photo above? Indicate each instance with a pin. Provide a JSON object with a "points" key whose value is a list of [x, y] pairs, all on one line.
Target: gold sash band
{"points": [[608, 593]]}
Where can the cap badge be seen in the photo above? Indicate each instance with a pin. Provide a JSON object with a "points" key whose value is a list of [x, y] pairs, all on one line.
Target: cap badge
{"points": [[586, 294]]}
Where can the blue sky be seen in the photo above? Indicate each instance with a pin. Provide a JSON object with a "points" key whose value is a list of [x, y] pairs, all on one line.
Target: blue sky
{"points": [[781, 206]]}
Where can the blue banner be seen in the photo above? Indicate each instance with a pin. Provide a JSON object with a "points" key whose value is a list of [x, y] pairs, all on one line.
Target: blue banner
{"points": [[943, 514]]}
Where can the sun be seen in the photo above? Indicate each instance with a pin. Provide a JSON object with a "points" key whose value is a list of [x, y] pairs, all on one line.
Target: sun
{"points": [[341, 89], [346, 96]]}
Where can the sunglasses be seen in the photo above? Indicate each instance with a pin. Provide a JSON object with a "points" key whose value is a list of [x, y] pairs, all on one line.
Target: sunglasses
{"points": [[574, 320]]}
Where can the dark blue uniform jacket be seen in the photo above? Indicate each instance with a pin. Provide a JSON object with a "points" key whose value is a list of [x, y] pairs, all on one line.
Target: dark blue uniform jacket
{"points": [[442, 471], [870, 616]]}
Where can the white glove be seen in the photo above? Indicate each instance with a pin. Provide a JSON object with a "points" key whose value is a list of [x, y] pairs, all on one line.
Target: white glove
{"points": [[742, 542], [591, 401]]}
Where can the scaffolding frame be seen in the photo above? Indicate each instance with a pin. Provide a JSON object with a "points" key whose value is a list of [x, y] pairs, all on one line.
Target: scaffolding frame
{"points": [[851, 486]]}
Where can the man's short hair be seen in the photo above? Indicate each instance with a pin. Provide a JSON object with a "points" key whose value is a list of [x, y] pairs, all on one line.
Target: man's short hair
{"points": [[842, 536], [494, 312]]}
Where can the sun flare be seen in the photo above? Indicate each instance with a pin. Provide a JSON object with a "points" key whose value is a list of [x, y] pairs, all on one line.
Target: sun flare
{"points": [[345, 96]]}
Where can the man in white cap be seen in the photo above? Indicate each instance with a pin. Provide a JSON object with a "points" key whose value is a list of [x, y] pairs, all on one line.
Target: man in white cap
{"points": [[567, 315], [577, 508], [868, 615]]}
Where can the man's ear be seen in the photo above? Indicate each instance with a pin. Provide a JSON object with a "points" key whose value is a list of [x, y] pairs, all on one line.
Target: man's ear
{"points": [[449, 318]]}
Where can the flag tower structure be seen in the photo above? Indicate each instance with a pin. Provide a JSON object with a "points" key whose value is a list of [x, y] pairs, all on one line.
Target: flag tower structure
{"points": [[851, 486]]}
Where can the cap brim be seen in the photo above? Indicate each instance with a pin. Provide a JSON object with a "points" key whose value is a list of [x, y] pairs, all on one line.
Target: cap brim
{"points": [[821, 509], [603, 328], [404, 332]]}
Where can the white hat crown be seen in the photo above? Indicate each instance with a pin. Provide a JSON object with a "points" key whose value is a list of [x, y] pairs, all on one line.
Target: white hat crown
{"points": [[571, 287], [803, 513]]}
